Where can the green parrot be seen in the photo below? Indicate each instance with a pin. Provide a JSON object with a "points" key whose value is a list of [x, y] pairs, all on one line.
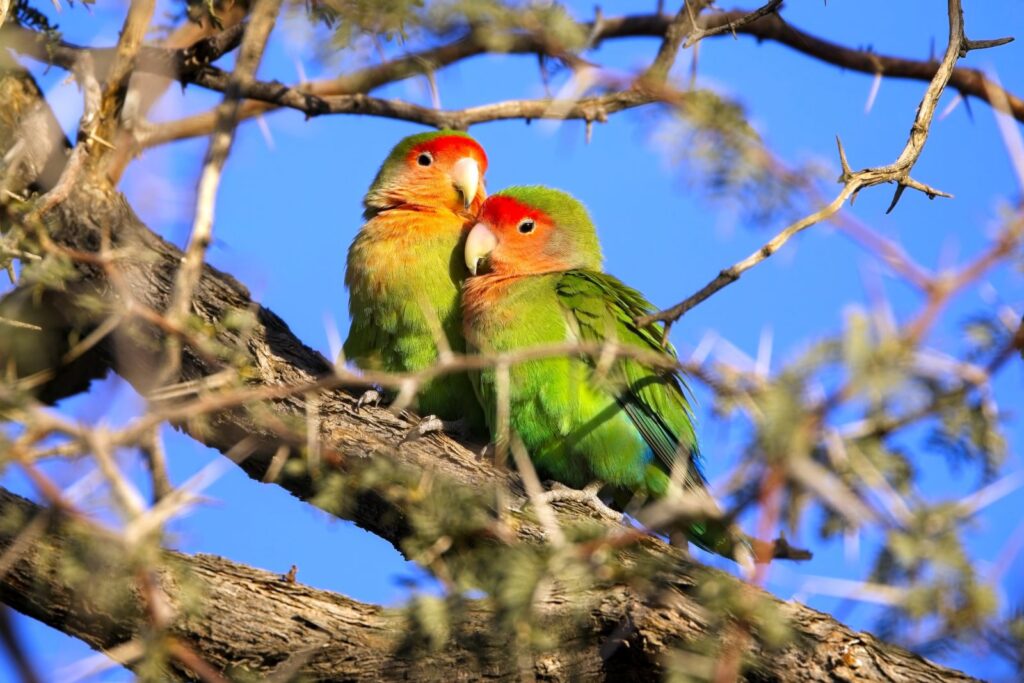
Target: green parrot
{"points": [[405, 267], [537, 280]]}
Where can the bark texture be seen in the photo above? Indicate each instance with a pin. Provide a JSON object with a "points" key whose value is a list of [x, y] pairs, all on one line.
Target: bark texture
{"points": [[256, 622]]}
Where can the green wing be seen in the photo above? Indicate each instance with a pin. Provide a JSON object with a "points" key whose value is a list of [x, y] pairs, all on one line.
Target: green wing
{"points": [[600, 308], [366, 338]]}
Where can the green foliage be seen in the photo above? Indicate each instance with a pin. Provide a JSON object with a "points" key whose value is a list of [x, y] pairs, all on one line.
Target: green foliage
{"points": [[867, 386], [735, 612], [875, 361], [985, 335], [928, 556], [497, 22], [352, 19], [53, 271], [969, 432], [721, 154], [429, 621]]}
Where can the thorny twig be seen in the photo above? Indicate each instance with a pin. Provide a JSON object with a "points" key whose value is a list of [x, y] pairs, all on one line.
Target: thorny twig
{"points": [[732, 26], [853, 181]]}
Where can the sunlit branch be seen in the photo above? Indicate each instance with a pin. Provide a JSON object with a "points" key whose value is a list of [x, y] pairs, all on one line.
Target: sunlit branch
{"points": [[853, 181]]}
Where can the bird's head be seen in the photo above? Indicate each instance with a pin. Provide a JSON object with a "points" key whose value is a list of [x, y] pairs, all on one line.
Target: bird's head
{"points": [[439, 169], [532, 230]]}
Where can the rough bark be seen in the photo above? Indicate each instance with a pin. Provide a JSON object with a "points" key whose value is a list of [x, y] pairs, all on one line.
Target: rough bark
{"points": [[646, 625], [255, 622]]}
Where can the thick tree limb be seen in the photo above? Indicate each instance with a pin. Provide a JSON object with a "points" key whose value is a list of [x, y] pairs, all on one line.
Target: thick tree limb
{"points": [[256, 622]]}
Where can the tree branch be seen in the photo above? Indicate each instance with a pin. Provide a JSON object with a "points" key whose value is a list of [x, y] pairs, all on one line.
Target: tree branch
{"points": [[136, 23], [589, 108], [853, 182], [630, 630], [178, 64], [732, 26], [253, 622], [254, 40], [967, 81], [683, 24], [312, 98]]}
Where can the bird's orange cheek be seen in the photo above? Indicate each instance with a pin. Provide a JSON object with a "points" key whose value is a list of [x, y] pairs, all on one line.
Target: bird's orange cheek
{"points": [[524, 251], [429, 188]]}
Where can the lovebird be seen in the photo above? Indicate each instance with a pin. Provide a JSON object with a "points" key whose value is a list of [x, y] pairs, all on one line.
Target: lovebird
{"points": [[405, 267], [537, 280]]}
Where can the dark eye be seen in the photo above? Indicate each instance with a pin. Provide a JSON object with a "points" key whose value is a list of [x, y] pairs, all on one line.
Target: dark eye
{"points": [[527, 226], [425, 159]]}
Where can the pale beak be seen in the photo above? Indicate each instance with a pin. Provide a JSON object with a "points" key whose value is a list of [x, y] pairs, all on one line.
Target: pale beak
{"points": [[466, 179], [479, 244]]}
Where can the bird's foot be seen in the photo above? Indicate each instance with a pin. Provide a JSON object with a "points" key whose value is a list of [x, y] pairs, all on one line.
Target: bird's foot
{"points": [[779, 549], [370, 397], [432, 424], [586, 496]]}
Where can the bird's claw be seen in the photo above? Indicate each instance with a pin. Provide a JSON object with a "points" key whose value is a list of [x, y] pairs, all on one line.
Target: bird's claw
{"points": [[432, 424], [585, 496], [370, 397]]}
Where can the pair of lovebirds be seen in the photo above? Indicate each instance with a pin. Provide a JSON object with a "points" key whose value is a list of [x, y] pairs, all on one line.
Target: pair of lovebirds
{"points": [[519, 269]]}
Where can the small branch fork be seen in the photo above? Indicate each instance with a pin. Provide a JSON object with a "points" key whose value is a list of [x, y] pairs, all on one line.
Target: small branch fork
{"points": [[854, 181], [87, 125], [684, 24], [136, 23], [731, 26]]}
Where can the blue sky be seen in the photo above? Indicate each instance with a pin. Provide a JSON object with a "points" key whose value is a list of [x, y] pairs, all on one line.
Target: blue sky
{"points": [[290, 204]]}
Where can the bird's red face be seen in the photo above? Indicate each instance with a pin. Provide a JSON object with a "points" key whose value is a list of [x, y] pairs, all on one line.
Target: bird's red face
{"points": [[513, 238], [446, 171]]}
